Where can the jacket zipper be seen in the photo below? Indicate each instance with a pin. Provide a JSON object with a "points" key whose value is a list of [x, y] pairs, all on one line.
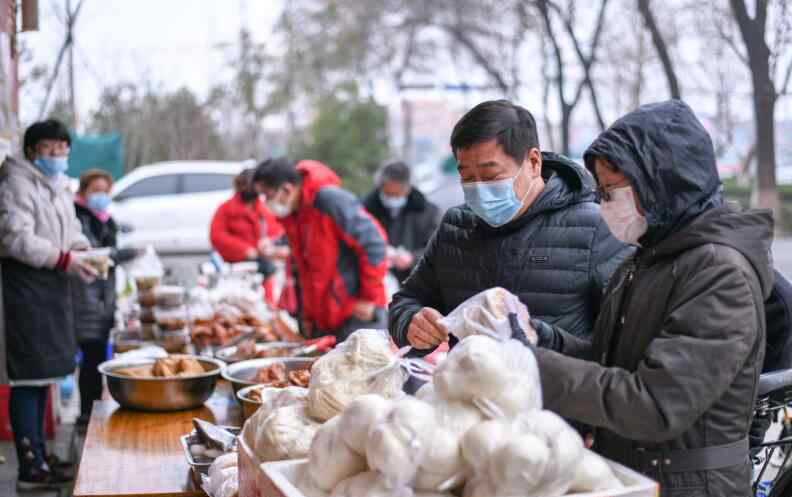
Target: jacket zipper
{"points": [[615, 334]]}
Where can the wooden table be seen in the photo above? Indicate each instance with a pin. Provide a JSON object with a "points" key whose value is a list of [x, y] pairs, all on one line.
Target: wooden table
{"points": [[137, 453]]}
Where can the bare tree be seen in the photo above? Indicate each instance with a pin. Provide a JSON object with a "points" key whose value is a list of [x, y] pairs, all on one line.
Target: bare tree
{"points": [[568, 103], [762, 63], [645, 9]]}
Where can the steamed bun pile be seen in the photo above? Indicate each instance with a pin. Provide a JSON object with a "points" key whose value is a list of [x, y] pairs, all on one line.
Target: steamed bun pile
{"points": [[289, 418], [478, 429]]}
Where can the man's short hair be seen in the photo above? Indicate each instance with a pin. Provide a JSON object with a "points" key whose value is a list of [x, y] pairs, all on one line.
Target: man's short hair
{"points": [[275, 172], [512, 126], [51, 129], [396, 171], [91, 175]]}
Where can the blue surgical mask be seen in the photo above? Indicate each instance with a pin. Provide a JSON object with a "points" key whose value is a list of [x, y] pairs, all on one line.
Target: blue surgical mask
{"points": [[98, 201], [392, 203], [52, 166], [494, 201]]}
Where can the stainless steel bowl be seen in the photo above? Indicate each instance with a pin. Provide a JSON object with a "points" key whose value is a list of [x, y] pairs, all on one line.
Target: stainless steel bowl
{"points": [[229, 354], [161, 394], [241, 374], [248, 406]]}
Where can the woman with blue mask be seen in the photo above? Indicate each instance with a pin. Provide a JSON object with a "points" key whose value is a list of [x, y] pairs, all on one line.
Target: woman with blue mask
{"points": [[42, 258], [94, 303]]}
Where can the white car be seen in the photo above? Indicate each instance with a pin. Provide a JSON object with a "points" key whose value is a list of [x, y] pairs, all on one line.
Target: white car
{"points": [[170, 204]]}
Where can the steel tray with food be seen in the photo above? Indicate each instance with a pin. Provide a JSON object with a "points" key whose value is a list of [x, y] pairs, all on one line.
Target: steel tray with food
{"points": [[196, 452], [251, 349], [279, 479], [260, 371]]}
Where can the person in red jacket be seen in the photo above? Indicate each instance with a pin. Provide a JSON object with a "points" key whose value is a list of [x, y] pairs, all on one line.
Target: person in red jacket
{"points": [[243, 229], [338, 247]]}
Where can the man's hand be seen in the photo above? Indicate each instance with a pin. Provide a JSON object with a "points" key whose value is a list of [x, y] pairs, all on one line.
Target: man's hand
{"points": [[364, 311], [424, 331]]}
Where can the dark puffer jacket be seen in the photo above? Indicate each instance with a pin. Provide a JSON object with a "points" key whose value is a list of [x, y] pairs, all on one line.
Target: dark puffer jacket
{"points": [[94, 303], [557, 257], [411, 228], [678, 345]]}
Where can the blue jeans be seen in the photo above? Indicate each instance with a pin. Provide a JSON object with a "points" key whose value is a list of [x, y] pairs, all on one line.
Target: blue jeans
{"points": [[27, 407]]}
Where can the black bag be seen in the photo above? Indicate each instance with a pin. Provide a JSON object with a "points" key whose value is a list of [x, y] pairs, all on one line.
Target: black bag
{"points": [[778, 318]]}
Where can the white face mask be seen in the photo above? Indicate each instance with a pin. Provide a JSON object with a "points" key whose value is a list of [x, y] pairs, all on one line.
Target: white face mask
{"points": [[278, 209], [622, 216]]}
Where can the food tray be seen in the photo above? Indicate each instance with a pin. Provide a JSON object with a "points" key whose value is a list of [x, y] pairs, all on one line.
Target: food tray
{"points": [[229, 354], [191, 439], [277, 479]]}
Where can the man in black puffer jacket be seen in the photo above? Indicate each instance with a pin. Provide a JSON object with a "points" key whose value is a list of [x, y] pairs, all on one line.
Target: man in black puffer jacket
{"points": [[530, 225]]}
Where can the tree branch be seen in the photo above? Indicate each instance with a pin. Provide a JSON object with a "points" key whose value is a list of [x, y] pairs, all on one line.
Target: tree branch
{"points": [[543, 4], [660, 46], [731, 43], [787, 78], [586, 61], [479, 57]]}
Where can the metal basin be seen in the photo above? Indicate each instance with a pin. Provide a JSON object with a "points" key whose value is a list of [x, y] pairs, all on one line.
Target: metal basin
{"points": [[248, 406], [229, 354], [161, 394], [241, 374]]}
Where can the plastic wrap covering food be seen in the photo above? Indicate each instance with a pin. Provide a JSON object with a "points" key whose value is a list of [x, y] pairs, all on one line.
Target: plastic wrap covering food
{"points": [[489, 313], [363, 364], [147, 270], [501, 378]]}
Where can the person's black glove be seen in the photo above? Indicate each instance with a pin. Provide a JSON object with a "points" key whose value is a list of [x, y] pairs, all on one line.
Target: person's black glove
{"points": [[517, 330], [547, 336], [265, 267]]}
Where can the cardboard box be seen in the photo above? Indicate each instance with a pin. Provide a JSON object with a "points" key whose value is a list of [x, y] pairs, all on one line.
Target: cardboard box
{"points": [[278, 480]]}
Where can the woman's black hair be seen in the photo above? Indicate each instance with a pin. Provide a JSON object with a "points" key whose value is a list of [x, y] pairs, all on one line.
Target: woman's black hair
{"points": [[51, 129], [512, 126], [275, 172]]}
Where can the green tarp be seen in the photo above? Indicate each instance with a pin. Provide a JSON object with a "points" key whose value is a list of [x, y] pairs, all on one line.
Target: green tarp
{"points": [[96, 152]]}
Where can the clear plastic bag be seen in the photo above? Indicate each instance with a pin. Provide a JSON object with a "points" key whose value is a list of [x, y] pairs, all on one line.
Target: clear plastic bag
{"points": [[398, 442], [147, 270], [363, 364], [99, 259], [500, 377], [488, 313]]}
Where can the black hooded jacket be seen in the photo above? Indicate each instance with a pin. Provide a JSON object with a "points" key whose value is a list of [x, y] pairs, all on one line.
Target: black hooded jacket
{"points": [[411, 228], [557, 257], [679, 342]]}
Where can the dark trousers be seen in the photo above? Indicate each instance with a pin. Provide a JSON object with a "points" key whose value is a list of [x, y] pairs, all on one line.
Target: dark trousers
{"points": [[27, 407], [94, 353]]}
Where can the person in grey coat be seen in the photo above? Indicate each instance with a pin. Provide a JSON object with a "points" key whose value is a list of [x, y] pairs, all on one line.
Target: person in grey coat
{"points": [[40, 243], [669, 380]]}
